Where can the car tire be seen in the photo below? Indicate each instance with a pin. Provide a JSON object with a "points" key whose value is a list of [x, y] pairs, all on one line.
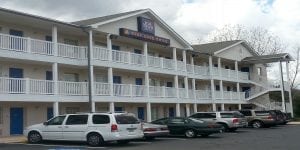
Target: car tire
{"points": [[190, 133], [123, 142], [34, 137], [94, 139], [257, 124], [224, 127]]}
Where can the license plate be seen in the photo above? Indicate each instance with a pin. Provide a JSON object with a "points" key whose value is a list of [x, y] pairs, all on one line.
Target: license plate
{"points": [[130, 129]]}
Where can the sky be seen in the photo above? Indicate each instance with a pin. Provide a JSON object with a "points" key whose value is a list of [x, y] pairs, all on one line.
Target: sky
{"points": [[192, 19]]}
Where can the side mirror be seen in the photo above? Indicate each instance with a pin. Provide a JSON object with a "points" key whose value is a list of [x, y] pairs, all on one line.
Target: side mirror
{"points": [[45, 123]]}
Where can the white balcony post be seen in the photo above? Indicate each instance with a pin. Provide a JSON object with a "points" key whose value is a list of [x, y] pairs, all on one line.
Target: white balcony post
{"points": [[55, 109], [110, 81], [91, 72], [111, 106], [147, 84], [222, 106], [236, 67], [240, 106], [109, 47], [188, 111], [175, 58], [28, 44], [192, 64], [163, 91], [184, 58], [221, 89], [145, 47], [176, 85], [27, 86], [54, 40], [161, 62], [230, 95], [212, 84], [219, 67], [282, 87], [177, 110], [186, 86], [149, 112], [238, 90], [195, 107], [289, 89], [129, 57], [194, 88], [55, 78], [130, 90]]}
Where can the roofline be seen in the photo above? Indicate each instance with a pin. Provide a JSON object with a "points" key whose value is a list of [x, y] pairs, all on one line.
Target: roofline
{"points": [[39, 17], [221, 50], [152, 13]]}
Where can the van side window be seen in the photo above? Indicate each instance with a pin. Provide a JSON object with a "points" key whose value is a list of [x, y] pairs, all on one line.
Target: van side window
{"points": [[101, 119], [77, 119], [57, 120]]}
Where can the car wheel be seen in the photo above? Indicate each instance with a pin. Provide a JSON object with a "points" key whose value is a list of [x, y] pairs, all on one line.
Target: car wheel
{"points": [[224, 127], [190, 133], [123, 141], [94, 139], [257, 124], [34, 137]]}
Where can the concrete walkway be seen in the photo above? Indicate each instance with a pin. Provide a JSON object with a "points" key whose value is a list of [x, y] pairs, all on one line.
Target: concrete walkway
{"points": [[13, 139], [294, 123]]}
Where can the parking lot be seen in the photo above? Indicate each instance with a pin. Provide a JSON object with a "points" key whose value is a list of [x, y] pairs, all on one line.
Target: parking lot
{"points": [[275, 138]]}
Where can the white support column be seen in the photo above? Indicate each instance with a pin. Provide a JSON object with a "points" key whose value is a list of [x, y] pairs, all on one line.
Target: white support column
{"points": [[175, 58], [184, 58], [55, 109], [282, 87], [177, 110], [214, 107], [236, 68], [91, 69], [149, 112], [111, 106], [147, 84], [192, 63], [240, 106], [145, 47], [238, 90], [289, 89], [55, 78], [219, 67], [176, 85], [186, 86], [194, 88], [54, 40], [109, 47], [222, 107], [110, 81], [195, 107], [188, 111], [221, 89], [212, 84]]}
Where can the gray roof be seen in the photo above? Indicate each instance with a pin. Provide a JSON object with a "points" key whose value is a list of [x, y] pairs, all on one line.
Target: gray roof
{"points": [[91, 21], [210, 48], [268, 58]]}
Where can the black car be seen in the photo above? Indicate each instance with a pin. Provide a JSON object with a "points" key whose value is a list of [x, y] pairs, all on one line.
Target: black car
{"points": [[189, 127], [279, 117]]}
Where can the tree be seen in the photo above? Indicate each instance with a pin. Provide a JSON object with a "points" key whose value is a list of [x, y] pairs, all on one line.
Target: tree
{"points": [[260, 39]]}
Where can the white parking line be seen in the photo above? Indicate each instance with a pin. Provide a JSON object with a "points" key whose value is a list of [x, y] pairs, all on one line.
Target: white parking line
{"points": [[171, 138], [50, 145]]}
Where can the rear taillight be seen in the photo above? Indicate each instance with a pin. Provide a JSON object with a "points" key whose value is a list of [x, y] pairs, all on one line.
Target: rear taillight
{"points": [[114, 128], [210, 126], [235, 120], [270, 117], [150, 129]]}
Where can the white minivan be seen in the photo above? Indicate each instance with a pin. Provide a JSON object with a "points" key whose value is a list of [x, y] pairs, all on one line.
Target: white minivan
{"points": [[94, 128]]}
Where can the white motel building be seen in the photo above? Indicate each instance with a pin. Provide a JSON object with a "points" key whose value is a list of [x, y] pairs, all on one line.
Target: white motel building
{"points": [[131, 62]]}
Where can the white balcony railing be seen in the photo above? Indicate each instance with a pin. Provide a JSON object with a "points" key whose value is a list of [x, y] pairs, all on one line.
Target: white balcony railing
{"points": [[71, 51], [41, 47], [201, 70], [101, 53], [122, 89], [138, 90], [41, 86], [72, 88], [182, 92], [102, 88], [137, 59], [170, 92], [203, 94], [12, 85], [181, 66]]}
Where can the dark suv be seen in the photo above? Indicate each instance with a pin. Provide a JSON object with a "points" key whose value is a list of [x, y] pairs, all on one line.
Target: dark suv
{"points": [[259, 119]]}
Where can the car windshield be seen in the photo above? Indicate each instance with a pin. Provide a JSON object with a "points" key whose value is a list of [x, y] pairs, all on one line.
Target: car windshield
{"points": [[126, 119]]}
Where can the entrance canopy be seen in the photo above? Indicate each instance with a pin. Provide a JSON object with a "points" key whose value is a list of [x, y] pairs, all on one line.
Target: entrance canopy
{"points": [[263, 59]]}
